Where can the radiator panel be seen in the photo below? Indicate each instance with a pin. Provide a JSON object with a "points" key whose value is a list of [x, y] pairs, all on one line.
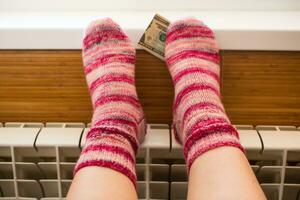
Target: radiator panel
{"points": [[40, 167]]}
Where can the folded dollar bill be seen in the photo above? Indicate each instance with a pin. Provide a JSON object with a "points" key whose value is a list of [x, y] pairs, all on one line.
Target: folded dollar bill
{"points": [[153, 39]]}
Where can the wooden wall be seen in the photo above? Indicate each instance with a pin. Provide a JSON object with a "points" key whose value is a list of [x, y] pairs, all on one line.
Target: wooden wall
{"points": [[43, 86]]}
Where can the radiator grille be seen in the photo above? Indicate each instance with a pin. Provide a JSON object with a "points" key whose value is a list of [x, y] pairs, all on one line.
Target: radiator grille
{"points": [[36, 160]]}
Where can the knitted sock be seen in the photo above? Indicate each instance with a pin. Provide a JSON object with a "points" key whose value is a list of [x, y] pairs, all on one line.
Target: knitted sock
{"points": [[118, 125], [199, 119]]}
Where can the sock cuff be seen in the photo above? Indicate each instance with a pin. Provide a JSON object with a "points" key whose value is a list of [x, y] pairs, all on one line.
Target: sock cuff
{"points": [[109, 151], [206, 139]]}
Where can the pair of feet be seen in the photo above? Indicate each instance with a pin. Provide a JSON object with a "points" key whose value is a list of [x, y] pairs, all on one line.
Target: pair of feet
{"points": [[118, 123]]}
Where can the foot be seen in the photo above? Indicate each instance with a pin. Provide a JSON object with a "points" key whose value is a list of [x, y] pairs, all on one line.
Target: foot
{"points": [[199, 119], [118, 125]]}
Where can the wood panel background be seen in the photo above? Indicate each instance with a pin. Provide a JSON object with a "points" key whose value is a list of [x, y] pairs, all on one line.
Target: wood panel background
{"points": [[46, 85]]}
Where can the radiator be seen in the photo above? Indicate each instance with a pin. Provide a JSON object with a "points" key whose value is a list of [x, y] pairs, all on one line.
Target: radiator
{"points": [[36, 160]]}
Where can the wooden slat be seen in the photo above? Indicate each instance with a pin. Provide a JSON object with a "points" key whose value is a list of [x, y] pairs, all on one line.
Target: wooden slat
{"points": [[262, 87], [38, 85]]}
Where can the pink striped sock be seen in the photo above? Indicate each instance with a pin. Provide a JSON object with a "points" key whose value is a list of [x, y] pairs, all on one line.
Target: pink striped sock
{"points": [[199, 118], [118, 125]]}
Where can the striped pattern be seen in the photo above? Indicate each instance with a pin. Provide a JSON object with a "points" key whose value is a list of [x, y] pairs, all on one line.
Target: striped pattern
{"points": [[199, 119], [118, 125]]}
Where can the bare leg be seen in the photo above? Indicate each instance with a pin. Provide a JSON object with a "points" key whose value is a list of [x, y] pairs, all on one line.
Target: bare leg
{"points": [[101, 183], [223, 173]]}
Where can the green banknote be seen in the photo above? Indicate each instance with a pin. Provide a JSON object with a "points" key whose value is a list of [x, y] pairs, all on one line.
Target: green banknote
{"points": [[153, 40]]}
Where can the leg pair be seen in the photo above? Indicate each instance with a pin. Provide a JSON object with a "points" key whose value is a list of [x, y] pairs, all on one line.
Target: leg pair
{"points": [[216, 164]]}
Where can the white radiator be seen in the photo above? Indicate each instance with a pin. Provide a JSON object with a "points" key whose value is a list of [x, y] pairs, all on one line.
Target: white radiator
{"points": [[36, 160]]}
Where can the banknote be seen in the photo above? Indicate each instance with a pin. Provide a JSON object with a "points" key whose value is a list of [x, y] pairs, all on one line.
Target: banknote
{"points": [[153, 39]]}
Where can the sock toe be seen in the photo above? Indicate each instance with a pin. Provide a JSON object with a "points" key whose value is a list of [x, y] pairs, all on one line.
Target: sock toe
{"points": [[99, 24], [189, 21], [107, 32], [189, 27], [190, 37]]}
